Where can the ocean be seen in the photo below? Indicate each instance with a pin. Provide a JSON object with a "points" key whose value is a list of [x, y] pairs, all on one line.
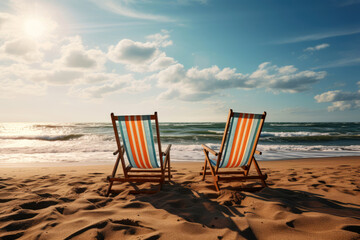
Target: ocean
{"points": [[93, 143]]}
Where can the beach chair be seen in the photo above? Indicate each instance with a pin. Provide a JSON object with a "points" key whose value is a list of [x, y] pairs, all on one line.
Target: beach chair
{"points": [[138, 143], [237, 150]]}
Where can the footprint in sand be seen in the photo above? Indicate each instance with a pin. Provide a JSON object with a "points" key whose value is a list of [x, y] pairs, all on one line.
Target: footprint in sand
{"points": [[79, 190], [45, 195], [292, 179], [80, 183], [38, 205], [135, 205], [12, 236], [60, 210], [49, 225], [67, 200], [19, 225], [99, 202], [20, 215], [352, 228], [4, 200]]}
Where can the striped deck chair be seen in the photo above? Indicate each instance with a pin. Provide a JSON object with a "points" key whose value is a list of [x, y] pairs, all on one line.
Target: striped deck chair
{"points": [[237, 150], [137, 143]]}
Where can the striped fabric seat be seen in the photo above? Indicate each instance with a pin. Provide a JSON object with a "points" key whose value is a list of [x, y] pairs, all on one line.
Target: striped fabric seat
{"points": [[237, 149], [244, 131], [137, 137]]}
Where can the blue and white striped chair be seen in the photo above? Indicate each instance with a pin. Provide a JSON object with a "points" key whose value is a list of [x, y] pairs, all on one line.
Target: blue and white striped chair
{"points": [[238, 146], [137, 142]]}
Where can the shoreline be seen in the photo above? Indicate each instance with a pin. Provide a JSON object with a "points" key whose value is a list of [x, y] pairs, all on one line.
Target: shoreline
{"points": [[108, 163], [305, 199]]}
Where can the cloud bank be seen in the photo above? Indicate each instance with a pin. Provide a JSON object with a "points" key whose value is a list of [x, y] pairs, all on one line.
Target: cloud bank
{"points": [[197, 84], [317, 47], [53, 60], [340, 100]]}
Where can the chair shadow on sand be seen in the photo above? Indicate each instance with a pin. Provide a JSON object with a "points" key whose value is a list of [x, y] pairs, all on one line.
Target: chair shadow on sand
{"points": [[194, 207], [301, 201]]}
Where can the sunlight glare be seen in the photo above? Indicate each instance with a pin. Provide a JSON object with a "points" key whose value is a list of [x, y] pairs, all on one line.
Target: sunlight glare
{"points": [[35, 28]]}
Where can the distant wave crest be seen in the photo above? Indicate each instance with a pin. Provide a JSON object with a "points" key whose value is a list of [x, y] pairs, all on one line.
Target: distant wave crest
{"points": [[44, 138]]}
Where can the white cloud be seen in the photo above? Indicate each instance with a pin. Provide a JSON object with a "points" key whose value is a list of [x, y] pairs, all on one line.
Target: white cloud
{"points": [[340, 100], [7, 25], [160, 39], [10, 88], [319, 36], [56, 77], [142, 56], [130, 52], [14, 81], [197, 84], [317, 47], [341, 63], [103, 84], [75, 56], [123, 8], [21, 50], [297, 82]]}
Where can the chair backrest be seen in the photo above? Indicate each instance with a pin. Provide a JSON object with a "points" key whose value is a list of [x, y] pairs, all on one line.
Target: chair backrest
{"points": [[240, 138], [137, 138]]}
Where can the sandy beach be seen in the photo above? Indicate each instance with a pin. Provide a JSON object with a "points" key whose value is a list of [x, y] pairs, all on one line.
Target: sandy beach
{"points": [[306, 199]]}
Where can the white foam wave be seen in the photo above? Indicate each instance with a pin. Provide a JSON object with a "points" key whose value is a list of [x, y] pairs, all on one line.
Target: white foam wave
{"points": [[306, 148], [294, 134], [214, 131]]}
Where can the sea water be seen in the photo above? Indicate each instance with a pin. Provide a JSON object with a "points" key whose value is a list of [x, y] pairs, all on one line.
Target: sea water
{"points": [[94, 143]]}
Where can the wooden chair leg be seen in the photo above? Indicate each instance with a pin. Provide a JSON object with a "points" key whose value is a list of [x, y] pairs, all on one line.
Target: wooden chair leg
{"points": [[216, 183], [113, 174], [216, 178], [169, 172], [259, 172], [109, 189], [204, 173]]}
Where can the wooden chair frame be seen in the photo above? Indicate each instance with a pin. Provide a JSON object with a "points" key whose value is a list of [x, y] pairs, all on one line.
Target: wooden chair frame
{"points": [[136, 174], [235, 174]]}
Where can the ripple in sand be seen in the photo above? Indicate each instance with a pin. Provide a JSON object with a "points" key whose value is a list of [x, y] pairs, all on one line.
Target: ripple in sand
{"points": [[20, 215], [352, 228], [12, 236], [38, 205]]}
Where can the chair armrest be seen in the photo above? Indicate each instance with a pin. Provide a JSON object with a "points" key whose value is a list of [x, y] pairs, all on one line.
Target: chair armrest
{"points": [[117, 151], [209, 150], [258, 152], [167, 150]]}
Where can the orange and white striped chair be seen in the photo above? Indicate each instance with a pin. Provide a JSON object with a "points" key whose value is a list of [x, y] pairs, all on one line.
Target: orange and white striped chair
{"points": [[238, 146], [137, 141]]}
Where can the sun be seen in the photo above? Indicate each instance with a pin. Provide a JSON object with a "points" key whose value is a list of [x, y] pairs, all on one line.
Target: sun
{"points": [[35, 28]]}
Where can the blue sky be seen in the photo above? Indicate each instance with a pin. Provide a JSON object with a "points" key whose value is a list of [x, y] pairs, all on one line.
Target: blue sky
{"points": [[190, 60]]}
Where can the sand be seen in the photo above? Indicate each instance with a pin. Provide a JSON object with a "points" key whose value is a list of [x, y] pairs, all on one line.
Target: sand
{"points": [[306, 199]]}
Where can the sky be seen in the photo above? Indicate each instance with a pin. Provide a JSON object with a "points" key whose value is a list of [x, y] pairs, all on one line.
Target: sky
{"points": [[189, 60]]}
